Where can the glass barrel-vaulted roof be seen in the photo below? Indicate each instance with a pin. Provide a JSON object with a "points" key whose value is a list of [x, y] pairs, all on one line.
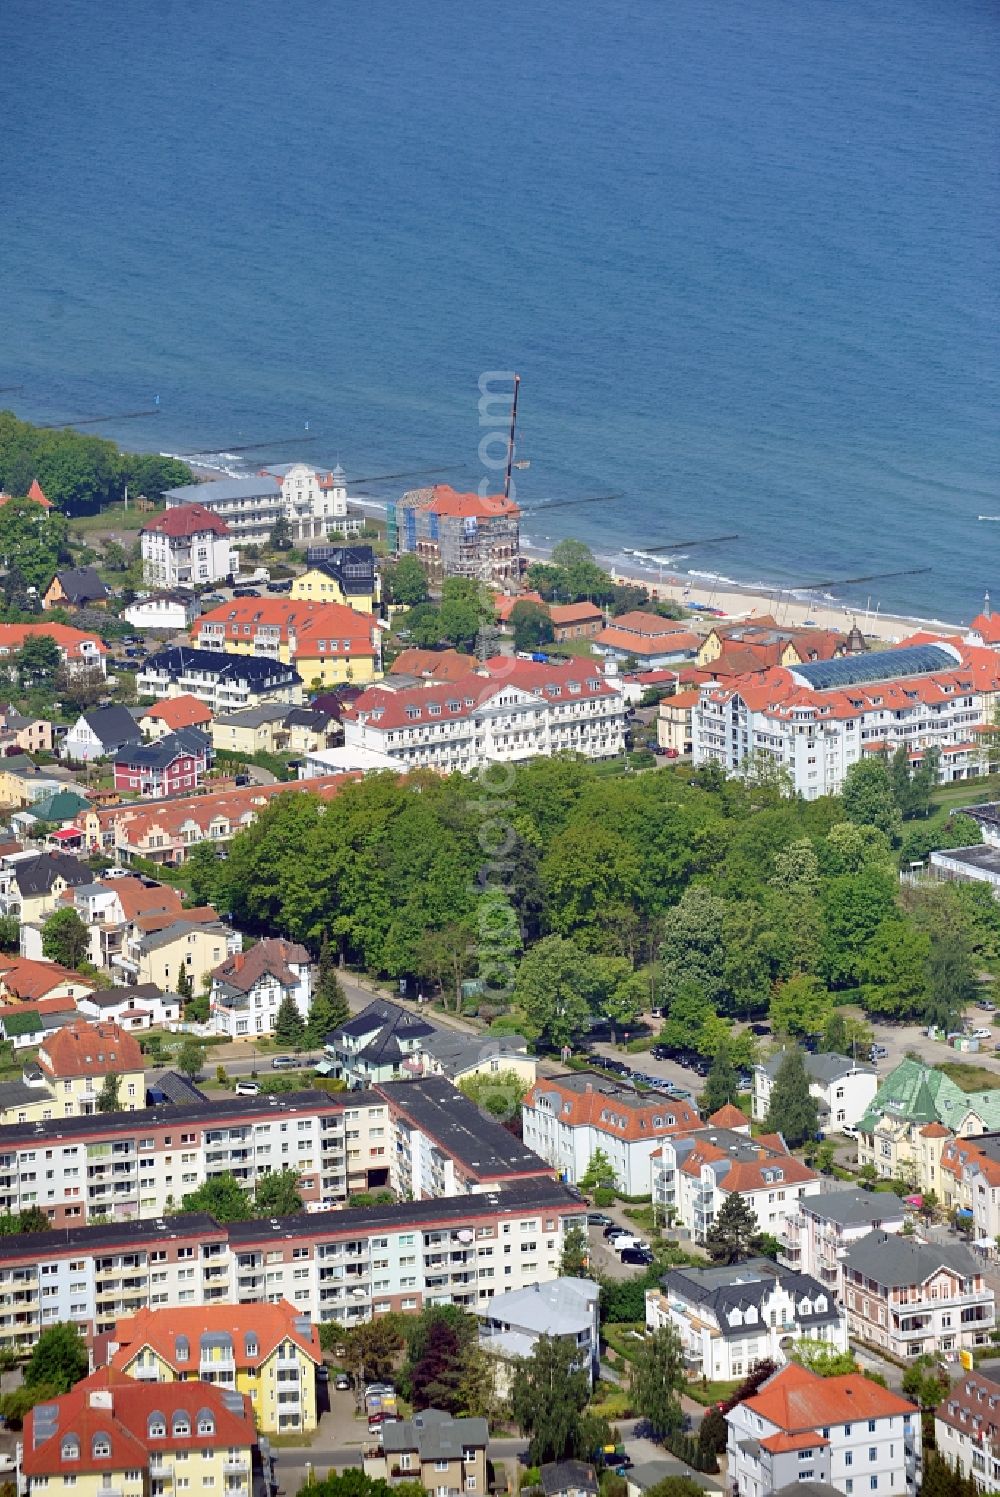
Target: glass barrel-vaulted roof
{"points": [[877, 665]]}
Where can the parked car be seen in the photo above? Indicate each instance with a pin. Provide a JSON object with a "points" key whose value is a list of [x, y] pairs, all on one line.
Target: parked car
{"points": [[598, 1219], [982, 1034], [284, 1062], [247, 1088], [986, 1006], [342, 1383], [879, 1052], [637, 1256], [614, 1231]]}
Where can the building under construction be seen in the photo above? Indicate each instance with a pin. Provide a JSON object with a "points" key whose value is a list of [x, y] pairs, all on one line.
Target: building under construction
{"points": [[458, 535]]}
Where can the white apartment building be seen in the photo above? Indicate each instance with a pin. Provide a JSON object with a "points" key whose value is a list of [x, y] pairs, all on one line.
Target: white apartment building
{"points": [[845, 1431], [566, 1119], [967, 1428], [347, 1265], [186, 546], [730, 1318], [248, 988], [508, 710], [313, 503], [818, 719], [224, 682], [843, 1088], [911, 1297], [823, 1227], [695, 1173], [567, 1309]]}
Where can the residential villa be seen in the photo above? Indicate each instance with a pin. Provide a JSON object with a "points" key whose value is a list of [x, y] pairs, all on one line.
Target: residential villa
{"points": [[843, 1088], [822, 1228], [909, 1297]]}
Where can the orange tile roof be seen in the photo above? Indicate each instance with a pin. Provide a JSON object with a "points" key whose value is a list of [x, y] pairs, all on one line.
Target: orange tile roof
{"points": [[685, 700], [69, 640], [82, 1049], [64, 1005], [633, 1120], [180, 712], [440, 665], [650, 625], [807, 1439], [124, 1420], [199, 915], [797, 1399], [935, 1130], [35, 493], [562, 614], [987, 626], [504, 603], [136, 899], [310, 629], [638, 645], [729, 1116], [186, 520], [270, 1324], [447, 501], [198, 812], [28, 979]]}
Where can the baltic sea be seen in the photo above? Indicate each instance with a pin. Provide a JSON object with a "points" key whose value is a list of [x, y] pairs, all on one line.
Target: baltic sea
{"points": [[744, 257]]}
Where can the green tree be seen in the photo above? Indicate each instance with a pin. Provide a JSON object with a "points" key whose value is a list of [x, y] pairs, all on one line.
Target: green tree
{"points": [[289, 1026], [721, 1084], [843, 1034], [10, 934], [371, 1350], [925, 781], [277, 1194], [801, 1006], [329, 1007], [551, 989], [59, 1359], [36, 537], [204, 872], [893, 969], [713, 1432], [600, 1171], [693, 951], [221, 1196], [446, 956], [65, 938], [38, 660], [548, 1395], [531, 624], [437, 1377], [280, 538], [854, 906], [793, 1111], [354, 1483], [184, 985], [822, 1358], [868, 797], [499, 1093], [31, 1219], [190, 1058], [952, 984], [899, 779], [925, 1381], [466, 607], [575, 1260], [422, 626], [109, 1097], [734, 1234], [657, 1377], [406, 581]]}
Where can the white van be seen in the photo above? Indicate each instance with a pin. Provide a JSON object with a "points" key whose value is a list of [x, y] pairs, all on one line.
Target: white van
{"points": [[247, 1088]]}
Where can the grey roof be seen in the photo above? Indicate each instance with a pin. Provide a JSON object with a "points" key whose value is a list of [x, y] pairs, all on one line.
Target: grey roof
{"points": [[650, 1473], [169, 933], [877, 665], [254, 717], [113, 726], [112, 997], [81, 584], [455, 1052], [175, 1088], [567, 1476], [895, 1261], [388, 1024], [165, 750], [37, 875], [472, 1137], [436, 1435], [855, 1207], [220, 490], [559, 1307], [308, 717], [253, 670], [16, 1094], [722, 1290], [824, 1068]]}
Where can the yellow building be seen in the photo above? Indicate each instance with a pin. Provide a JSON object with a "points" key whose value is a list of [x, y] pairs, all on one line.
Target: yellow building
{"points": [[348, 577], [113, 1434], [197, 947], [268, 1352], [327, 643], [76, 1060], [446, 1455]]}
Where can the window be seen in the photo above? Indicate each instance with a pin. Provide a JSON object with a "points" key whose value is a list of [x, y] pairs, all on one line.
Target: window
{"points": [[206, 1422], [872, 1453], [71, 1449], [871, 1426], [873, 1483], [182, 1349], [100, 1446], [156, 1427], [440, 1465], [181, 1426], [848, 1457]]}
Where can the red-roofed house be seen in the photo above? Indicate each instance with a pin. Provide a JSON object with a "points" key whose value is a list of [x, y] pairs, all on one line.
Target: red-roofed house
{"points": [[575, 621], [847, 1432], [673, 723], [326, 642], [694, 1175], [249, 987], [77, 1058], [507, 710], [985, 628], [647, 638], [566, 1118], [164, 717], [458, 535], [186, 546], [78, 650], [113, 1433]]}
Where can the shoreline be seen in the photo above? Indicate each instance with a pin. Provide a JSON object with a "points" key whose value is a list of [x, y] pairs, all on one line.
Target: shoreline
{"points": [[738, 600]]}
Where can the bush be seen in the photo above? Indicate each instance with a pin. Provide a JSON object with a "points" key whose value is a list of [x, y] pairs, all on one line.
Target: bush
{"points": [[603, 1196], [221, 1076]]}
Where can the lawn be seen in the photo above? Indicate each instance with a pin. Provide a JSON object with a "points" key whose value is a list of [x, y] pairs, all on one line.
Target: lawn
{"points": [[970, 1078], [115, 517], [709, 1393], [611, 1403]]}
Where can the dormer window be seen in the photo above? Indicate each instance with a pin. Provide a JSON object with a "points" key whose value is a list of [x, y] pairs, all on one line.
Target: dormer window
{"points": [[250, 1344], [206, 1422], [100, 1446], [182, 1349], [156, 1426], [71, 1449], [181, 1426]]}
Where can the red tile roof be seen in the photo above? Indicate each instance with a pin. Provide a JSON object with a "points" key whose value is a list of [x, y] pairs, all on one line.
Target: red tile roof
{"points": [[69, 640], [118, 1407], [35, 493], [82, 1049], [270, 1324], [631, 1120], [447, 501], [649, 625], [504, 603], [184, 711], [807, 1439], [186, 520], [987, 626], [439, 665], [729, 1116], [136, 898], [28, 979], [562, 614], [797, 1399], [310, 629], [198, 812], [676, 642], [271, 956]]}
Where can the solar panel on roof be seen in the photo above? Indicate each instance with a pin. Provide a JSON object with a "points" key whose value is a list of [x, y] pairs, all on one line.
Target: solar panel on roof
{"points": [[879, 665]]}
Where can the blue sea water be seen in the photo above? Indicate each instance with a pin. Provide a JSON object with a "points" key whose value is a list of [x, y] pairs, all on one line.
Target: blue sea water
{"points": [[742, 252]]}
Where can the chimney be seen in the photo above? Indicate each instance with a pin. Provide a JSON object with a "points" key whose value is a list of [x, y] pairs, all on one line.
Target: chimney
{"points": [[101, 1398]]}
